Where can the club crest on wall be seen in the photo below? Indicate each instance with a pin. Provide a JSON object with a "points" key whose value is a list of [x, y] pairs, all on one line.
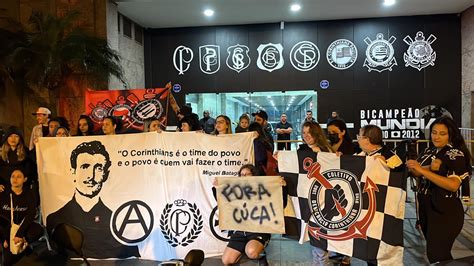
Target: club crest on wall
{"points": [[420, 54], [182, 58], [209, 58], [238, 58], [341, 54], [379, 55], [270, 56], [304, 56]]}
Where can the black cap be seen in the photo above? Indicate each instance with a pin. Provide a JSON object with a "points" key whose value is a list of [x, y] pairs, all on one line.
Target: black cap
{"points": [[10, 131], [261, 113]]}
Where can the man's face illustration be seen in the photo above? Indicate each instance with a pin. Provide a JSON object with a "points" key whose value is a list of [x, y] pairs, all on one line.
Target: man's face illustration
{"points": [[90, 174]]}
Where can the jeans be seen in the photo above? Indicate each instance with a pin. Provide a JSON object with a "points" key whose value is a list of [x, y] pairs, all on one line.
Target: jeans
{"points": [[320, 257]]}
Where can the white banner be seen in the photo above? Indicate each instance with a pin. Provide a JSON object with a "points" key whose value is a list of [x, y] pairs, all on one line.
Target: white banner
{"points": [[142, 194]]}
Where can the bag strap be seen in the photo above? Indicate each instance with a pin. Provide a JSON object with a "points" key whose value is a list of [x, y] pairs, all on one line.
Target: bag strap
{"points": [[11, 208]]}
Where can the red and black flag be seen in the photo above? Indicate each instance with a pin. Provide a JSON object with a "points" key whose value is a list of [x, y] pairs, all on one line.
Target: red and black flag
{"points": [[353, 205]]}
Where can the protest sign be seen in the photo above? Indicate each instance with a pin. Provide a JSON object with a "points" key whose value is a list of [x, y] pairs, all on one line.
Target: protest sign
{"points": [[251, 204]]}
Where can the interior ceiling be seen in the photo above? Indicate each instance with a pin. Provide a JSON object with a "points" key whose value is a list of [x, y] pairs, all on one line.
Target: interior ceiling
{"points": [[189, 13]]}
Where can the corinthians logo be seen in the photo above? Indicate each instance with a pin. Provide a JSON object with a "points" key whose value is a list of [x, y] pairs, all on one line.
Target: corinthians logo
{"points": [[270, 57], [304, 56], [238, 58], [379, 53], [182, 223], [420, 54], [341, 54], [336, 203]]}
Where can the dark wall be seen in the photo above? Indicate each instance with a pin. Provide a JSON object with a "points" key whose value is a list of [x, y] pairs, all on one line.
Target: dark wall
{"points": [[350, 90]]}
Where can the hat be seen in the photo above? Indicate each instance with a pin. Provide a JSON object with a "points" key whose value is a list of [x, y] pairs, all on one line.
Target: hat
{"points": [[10, 131], [42, 110], [261, 113]]}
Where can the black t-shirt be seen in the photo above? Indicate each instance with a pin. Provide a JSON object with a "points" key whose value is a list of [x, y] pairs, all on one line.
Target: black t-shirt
{"points": [[284, 136], [99, 242], [453, 163], [24, 208]]}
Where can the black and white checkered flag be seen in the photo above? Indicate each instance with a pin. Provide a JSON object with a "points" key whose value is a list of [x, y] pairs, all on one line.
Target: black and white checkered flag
{"points": [[353, 205]]}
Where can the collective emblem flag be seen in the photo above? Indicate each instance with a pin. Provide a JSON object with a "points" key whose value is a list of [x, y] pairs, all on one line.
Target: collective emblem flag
{"points": [[353, 205]]}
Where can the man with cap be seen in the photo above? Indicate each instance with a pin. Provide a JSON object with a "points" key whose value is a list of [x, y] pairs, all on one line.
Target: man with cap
{"points": [[261, 117], [42, 116]]}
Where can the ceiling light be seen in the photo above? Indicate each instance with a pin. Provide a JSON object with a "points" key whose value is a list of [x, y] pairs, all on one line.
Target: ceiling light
{"points": [[295, 7], [388, 2], [208, 12]]}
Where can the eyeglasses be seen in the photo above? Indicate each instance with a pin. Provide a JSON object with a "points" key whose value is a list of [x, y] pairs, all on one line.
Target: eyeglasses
{"points": [[359, 137]]}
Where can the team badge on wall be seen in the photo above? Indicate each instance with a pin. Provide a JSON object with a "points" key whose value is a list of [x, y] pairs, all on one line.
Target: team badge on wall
{"points": [[238, 58], [304, 56], [209, 58], [341, 54], [182, 58], [379, 55], [270, 57], [420, 54]]}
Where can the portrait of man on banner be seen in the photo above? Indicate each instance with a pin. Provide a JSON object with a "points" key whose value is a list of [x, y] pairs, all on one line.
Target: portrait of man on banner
{"points": [[90, 163]]}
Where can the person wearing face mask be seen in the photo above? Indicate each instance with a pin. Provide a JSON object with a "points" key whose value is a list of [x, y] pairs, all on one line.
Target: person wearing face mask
{"points": [[339, 137]]}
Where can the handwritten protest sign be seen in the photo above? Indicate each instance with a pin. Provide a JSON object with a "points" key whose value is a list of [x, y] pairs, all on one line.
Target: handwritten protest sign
{"points": [[250, 204]]}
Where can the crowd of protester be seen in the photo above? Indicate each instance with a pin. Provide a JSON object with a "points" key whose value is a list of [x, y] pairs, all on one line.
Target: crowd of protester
{"points": [[440, 169]]}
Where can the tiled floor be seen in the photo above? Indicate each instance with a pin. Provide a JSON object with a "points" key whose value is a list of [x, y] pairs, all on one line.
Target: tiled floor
{"points": [[282, 251]]}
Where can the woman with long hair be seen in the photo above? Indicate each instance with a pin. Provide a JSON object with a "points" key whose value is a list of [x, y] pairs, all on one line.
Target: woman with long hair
{"points": [[85, 126], [14, 154], [314, 138], [441, 169], [223, 125]]}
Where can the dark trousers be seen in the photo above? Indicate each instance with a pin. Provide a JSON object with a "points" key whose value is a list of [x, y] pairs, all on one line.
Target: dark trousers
{"points": [[284, 146], [33, 233], [441, 221]]}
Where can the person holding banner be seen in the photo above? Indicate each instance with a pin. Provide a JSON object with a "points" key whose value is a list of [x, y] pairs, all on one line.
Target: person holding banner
{"points": [[252, 244], [370, 141], [441, 170], [152, 125], [223, 125], [90, 163], [85, 126], [189, 123], [339, 137], [244, 121], [315, 140], [18, 207], [111, 125]]}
